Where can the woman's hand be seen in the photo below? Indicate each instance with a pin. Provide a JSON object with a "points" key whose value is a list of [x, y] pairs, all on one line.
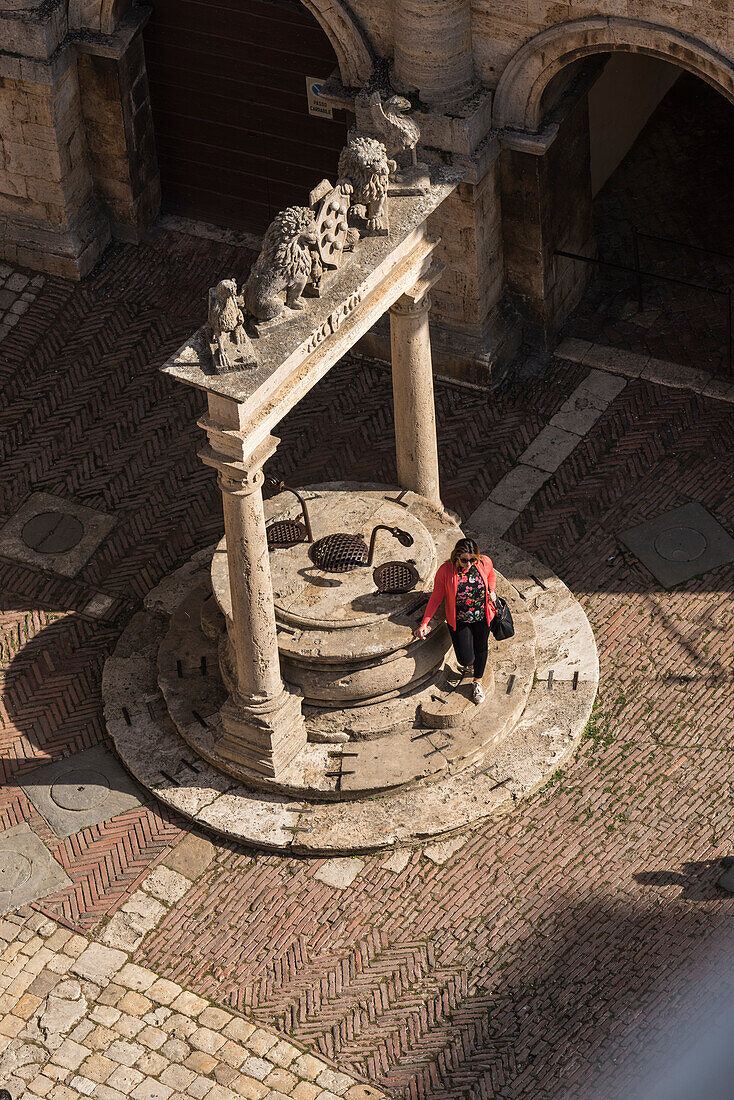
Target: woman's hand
{"points": [[493, 597], [421, 631]]}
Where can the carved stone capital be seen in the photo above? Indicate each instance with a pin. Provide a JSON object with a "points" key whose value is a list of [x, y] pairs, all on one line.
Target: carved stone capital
{"points": [[417, 299], [236, 476], [409, 307]]}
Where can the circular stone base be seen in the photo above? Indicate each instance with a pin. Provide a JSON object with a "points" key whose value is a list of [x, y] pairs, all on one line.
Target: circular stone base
{"points": [[558, 693]]}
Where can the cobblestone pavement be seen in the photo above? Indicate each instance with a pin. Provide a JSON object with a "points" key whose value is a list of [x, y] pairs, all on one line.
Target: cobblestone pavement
{"points": [[675, 183], [79, 1019], [539, 955], [17, 290]]}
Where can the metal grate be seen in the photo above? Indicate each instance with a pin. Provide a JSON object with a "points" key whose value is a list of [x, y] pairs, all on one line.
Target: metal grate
{"points": [[395, 576], [284, 533], [339, 553]]}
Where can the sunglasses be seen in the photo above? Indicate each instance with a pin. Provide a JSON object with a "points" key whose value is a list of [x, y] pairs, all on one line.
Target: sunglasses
{"points": [[466, 561]]}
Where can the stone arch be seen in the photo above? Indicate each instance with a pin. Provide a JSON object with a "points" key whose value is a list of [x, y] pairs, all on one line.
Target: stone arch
{"points": [[517, 101], [350, 43]]}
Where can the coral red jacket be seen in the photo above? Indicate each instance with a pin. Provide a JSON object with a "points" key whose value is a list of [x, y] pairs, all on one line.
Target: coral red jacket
{"points": [[446, 586]]}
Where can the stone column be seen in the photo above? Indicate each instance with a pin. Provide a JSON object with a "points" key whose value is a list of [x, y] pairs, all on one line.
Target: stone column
{"points": [[414, 409], [262, 719], [433, 49]]}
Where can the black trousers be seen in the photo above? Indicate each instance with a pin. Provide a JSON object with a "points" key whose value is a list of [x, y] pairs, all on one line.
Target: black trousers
{"points": [[471, 641]]}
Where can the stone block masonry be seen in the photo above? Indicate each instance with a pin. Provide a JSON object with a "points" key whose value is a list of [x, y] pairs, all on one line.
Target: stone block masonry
{"points": [[77, 153], [50, 215]]}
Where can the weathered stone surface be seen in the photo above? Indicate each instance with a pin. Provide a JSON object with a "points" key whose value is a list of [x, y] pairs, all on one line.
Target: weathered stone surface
{"points": [[339, 873], [95, 527], [29, 870], [442, 850], [166, 884], [518, 486], [500, 768], [398, 861], [549, 449], [99, 964], [190, 857]]}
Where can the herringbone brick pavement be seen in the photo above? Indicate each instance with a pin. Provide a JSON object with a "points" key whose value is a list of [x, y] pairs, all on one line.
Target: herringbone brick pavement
{"points": [[85, 414], [674, 183], [548, 951], [555, 945]]}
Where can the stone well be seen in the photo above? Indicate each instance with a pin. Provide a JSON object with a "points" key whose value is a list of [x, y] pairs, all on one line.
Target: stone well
{"points": [[273, 690]]}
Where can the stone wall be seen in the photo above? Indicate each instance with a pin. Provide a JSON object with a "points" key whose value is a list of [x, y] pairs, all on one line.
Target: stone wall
{"points": [[501, 27], [51, 219], [119, 127], [77, 158], [77, 147], [620, 103]]}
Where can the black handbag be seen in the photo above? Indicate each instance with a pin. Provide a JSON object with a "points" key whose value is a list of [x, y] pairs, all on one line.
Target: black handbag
{"points": [[502, 626]]}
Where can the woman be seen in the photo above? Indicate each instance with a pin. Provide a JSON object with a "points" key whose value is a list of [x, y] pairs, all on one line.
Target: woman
{"points": [[465, 583]]}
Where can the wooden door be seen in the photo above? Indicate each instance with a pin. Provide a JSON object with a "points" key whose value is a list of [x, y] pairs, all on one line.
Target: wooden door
{"points": [[228, 90]]}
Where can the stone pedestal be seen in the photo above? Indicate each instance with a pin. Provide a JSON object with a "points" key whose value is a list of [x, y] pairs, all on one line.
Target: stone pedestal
{"points": [[262, 720], [415, 414]]}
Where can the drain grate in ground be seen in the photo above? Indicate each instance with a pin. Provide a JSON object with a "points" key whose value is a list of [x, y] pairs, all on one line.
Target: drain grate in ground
{"points": [[28, 871], [81, 790], [680, 544], [55, 534]]}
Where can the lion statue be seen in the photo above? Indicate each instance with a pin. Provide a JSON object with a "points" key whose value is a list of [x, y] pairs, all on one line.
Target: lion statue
{"points": [[364, 163], [284, 264], [229, 341]]}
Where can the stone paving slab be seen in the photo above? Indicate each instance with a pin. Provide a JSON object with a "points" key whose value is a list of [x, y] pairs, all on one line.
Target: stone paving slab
{"points": [[683, 543], [28, 871], [61, 555], [630, 364], [82, 790]]}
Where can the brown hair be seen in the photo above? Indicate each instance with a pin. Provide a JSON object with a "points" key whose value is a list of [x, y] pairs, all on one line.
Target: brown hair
{"points": [[464, 546]]}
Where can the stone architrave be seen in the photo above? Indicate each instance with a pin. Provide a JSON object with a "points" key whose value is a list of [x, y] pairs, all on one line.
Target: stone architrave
{"points": [[262, 719]]}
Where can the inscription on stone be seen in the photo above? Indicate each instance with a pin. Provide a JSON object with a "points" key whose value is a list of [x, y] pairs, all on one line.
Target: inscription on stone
{"points": [[334, 320]]}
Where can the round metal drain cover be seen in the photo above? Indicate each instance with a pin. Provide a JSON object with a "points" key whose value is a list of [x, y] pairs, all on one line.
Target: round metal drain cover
{"points": [[395, 576], [284, 533], [339, 553], [15, 869], [680, 544], [83, 789], [52, 533]]}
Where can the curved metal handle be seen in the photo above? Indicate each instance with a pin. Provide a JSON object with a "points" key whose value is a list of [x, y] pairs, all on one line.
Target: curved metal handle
{"points": [[278, 486], [403, 537]]}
